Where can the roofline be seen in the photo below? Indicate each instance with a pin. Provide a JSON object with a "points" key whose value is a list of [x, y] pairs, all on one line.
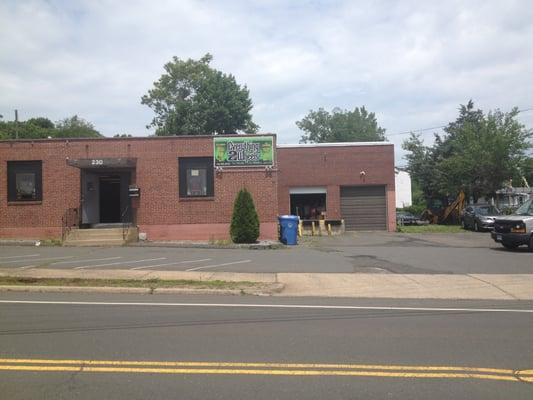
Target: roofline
{"points": [[133, 138], [337, 144]]}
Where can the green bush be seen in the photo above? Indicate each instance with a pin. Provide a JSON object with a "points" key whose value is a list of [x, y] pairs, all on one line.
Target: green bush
{"points": [[245, 221]]}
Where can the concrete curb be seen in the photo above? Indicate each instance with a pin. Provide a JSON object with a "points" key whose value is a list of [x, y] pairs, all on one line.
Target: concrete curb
{"points": [[73, 289], [14, 242], [259, 278], [263, 291], [267, 245]]}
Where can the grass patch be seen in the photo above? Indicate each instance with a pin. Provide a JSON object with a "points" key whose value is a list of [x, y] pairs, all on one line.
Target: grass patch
{"points": [[133, 283], [431, 228]]}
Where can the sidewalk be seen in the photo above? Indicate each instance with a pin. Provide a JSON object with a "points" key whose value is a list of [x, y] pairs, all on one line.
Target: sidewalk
{"points": [[393, 286], [409, 286]]}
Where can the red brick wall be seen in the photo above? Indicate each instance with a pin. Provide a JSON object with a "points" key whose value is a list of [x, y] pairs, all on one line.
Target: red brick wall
{"points": [[336, 166], [156, 175]]}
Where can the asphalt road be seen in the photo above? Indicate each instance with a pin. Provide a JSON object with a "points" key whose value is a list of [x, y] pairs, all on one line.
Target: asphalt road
{"points": [[175, 349], [368, 252]]}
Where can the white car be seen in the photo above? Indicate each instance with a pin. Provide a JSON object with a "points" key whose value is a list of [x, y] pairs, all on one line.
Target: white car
{"points": [[516, 229]]}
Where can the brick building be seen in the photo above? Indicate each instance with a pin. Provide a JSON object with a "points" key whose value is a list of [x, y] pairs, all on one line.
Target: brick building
{"points": [[182, 188], [349, 181]]}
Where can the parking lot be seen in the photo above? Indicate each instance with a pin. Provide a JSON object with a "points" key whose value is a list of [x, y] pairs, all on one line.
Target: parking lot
{"points": [[365, 252]]}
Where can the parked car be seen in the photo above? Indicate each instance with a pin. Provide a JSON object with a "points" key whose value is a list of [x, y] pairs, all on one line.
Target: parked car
{"points": [[479, 218], [516, 229], [405, 218]]}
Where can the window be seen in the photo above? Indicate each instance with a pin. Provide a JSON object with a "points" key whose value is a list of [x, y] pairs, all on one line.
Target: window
{"points": [[24, 181], [196, 177]]}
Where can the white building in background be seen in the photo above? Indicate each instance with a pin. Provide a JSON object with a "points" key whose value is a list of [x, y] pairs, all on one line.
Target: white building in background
{"points": [[403, 189]]}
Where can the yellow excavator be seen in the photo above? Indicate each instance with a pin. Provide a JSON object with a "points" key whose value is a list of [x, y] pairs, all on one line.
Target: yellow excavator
{"points": [[441, 214]]}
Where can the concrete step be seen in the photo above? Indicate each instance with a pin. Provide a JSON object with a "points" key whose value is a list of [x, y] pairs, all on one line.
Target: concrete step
{"points": [[94, 242], [96, 233], [107, 225], [82, 235], [95, 237], [100, 237]]}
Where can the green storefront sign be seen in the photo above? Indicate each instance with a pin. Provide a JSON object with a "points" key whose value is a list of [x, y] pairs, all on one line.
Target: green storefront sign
{"points": [[243, 151]]}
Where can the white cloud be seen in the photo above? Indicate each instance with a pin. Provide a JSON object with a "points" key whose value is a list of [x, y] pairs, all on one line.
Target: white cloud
{"points": [[412, 63]]}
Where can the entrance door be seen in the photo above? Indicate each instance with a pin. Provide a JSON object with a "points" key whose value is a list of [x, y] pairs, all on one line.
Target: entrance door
{"points": [[90, 196], [109, 199]]}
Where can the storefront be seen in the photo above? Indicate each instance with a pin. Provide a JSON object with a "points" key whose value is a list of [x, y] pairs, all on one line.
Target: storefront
{"points": [[183, 188]]}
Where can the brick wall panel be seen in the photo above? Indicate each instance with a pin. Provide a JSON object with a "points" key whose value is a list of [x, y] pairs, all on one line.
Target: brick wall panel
{"points": [[156, 174], [333, 167]]}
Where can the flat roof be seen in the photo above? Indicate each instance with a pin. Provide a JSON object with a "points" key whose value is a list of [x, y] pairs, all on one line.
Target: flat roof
{"points": [[133, 138], [336, 144]]}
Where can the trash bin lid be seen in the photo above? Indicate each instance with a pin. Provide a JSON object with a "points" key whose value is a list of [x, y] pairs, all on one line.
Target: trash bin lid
{"points": [[288, 218]]}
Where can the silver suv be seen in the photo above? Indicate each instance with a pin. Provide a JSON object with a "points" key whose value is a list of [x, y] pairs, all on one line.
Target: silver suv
{"points": [[516, 229]]}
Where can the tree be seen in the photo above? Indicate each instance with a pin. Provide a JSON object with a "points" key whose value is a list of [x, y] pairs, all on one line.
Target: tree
{"points": [[191, 98], [244, 226], [477, 154], [42, 128], [528, 171], [41, 122], [23, 130], [75, 127], [340, 126]]}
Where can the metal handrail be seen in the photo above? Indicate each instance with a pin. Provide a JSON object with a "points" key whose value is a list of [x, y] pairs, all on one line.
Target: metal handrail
{"points": [[69, 219], [125, 225]]}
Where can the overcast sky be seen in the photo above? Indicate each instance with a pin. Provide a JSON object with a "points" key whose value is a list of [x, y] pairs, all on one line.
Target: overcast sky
{"points": [[410, 62]]}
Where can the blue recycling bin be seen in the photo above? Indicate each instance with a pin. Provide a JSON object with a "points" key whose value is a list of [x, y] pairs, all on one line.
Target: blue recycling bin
{"points": [[288, 229]]}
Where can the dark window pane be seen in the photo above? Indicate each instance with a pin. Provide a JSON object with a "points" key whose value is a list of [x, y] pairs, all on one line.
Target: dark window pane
{"points": [[25, 183], [196, 182], [196, 178], [24, 180]]}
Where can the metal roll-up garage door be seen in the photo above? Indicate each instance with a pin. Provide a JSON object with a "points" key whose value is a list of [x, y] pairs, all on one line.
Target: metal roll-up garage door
{"points": [[364, 208]]}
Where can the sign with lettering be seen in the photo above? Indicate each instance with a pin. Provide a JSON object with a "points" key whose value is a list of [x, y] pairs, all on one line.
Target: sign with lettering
{"points": [[243, 151], [102, 163]]}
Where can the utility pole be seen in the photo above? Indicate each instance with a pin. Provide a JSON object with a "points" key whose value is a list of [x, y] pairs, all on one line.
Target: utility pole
{"points": [[16, 124]]}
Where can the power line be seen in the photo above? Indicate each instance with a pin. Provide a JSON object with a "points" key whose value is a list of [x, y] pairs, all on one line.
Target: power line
{"points": [[416, 130], [439, 127]]}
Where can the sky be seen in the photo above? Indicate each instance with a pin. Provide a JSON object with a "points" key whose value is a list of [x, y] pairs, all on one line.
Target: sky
{"points": [[411, 62]]}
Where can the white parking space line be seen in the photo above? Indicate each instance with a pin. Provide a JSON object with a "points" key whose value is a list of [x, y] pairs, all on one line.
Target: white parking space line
{"points": [[219, 265], [26, 267], [34, 260], [173, 263], [121, 262], [26, 255], [81, 261]]}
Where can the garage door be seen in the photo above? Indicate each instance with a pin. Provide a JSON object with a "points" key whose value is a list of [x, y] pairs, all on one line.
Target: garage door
{"points": [[364, 208]]}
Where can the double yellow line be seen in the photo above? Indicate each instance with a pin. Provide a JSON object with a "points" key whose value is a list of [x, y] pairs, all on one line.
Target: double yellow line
{"points": [[285, 369]]}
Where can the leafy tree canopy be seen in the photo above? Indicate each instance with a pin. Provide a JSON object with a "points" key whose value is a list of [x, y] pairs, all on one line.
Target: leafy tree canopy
{"points": [[41, 128], [192, 98], [75, 127], [477, 154], [41, 122], [528, 171], [340, 126]]}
